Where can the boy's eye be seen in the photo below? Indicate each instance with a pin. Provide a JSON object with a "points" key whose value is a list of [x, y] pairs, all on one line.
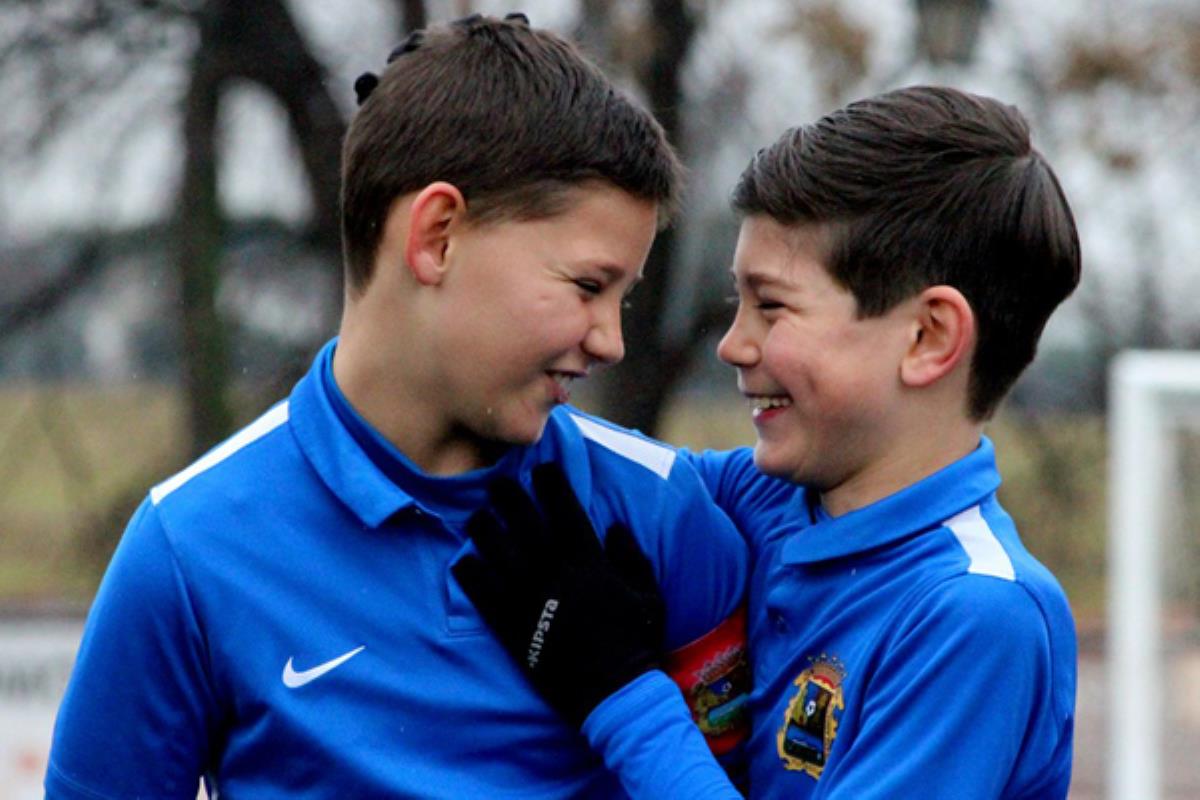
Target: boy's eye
{"points": [[588, 285], [768, 305]]}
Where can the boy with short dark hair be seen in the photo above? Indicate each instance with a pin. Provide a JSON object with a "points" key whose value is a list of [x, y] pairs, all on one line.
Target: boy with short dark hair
{"points": [[280, 617], [897, 262]]}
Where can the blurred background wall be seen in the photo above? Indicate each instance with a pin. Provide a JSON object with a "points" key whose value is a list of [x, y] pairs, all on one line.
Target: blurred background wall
{"points": [[169, 256]]}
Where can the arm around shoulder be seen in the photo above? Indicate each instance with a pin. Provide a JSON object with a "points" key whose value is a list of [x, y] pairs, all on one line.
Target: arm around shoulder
{"points": [[753, 500], [702, 560], [726, 474], [703, 567], [648, 738]]}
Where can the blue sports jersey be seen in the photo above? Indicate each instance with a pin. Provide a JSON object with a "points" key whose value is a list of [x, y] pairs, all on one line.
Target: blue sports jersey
{"points": [[280, 617], [910, 648]]}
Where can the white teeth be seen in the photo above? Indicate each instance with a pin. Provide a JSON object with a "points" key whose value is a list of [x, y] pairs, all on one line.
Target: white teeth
{"points": [[761, 403], [563, 379]]}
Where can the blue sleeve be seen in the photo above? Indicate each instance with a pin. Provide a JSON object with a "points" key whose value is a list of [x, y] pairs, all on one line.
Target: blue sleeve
{"points": [[755, 502], [724, 473], [138, 710], [962, 692], [700, 558], [647, 737], [702, 567]]}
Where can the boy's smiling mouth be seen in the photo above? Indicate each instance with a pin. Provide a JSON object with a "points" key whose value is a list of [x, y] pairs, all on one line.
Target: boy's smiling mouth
{"points": [[762, 403], [562, 382]]}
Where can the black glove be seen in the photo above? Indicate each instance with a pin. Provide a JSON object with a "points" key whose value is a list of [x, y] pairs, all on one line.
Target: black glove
{"points": [[581, 620]]}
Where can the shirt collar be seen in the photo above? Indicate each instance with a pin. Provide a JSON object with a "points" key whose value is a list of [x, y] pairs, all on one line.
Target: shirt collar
{"points": [[333, 452], [366, 472], [913, 509]]}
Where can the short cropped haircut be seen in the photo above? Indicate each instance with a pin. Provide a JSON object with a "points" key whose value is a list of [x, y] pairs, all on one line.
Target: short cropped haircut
{"points": [[514, 117], [929, 186]]}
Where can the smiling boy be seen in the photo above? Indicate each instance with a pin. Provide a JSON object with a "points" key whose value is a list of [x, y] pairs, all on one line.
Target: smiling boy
{"points": [[896, 264], [280, 617]]}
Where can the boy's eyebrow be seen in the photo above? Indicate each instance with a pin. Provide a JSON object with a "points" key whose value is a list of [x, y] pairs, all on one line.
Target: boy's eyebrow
{"points": [[754, 278], [614, 273]]}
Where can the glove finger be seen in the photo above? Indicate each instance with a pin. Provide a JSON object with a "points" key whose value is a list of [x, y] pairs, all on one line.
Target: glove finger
{"points": [[478, 582], [627, 558], [494, 544], [565, 517], [487, 592], [520, 515]]}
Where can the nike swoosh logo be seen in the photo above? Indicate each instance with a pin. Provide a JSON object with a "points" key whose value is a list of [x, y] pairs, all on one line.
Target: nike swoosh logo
{"points": [[294, 680]]}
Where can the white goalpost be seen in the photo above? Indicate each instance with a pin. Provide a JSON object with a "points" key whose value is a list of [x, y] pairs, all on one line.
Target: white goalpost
{"points": [[1151, 395]]}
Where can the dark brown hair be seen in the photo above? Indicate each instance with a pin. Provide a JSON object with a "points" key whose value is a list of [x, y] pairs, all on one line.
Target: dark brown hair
{"points": [[929, 186], [512, 116]]}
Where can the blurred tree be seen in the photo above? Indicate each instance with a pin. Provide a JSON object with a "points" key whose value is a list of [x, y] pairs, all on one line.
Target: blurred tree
{"points": [[948, 30], [233, 38], [595, 31], [655, 52], [634, 393], [234, 42], [237, 42], [37, 303], [1123, 100], [839, 47], [80, 57]]}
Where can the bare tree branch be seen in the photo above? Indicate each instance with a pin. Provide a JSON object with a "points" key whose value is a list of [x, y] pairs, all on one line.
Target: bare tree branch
{"points": [[634, 393], [72, 65], [247, 31], [412, 14], [199, 229], [84, 266]]}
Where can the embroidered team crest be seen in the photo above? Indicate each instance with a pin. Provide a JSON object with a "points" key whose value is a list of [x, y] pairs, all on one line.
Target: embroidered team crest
{"points": [[811, 721], [715, 678], [718, 698]]}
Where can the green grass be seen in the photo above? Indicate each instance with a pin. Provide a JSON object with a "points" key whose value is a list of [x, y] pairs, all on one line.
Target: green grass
{"points": [[75, 461], [1054, 473]]}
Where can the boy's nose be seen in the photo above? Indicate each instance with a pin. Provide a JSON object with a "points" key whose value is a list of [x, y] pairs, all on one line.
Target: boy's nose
{"points": [[604, 341], [736, 348]]}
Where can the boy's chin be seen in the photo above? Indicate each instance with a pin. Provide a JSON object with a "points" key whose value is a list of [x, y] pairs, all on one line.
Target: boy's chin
{"points": [[773, 461], [769, 463], [519, 434]]}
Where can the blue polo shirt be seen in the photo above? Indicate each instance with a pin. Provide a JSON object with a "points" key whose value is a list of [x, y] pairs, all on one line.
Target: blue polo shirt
{"points": [[911, 648], [280, 617]]}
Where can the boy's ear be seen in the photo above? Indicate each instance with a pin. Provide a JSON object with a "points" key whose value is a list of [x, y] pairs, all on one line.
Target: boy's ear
{"points": [[432, 215], [944, 336]]}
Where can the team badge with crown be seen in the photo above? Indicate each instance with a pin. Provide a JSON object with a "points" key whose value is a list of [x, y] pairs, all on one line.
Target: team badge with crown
{"points": [[811, 721]]}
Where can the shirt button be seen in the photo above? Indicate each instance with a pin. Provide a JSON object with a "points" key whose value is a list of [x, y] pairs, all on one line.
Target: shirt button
{"points": [[778, 620]]}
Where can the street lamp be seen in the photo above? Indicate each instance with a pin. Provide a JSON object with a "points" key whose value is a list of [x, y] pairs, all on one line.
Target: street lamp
{"points": [[947, 30]]}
